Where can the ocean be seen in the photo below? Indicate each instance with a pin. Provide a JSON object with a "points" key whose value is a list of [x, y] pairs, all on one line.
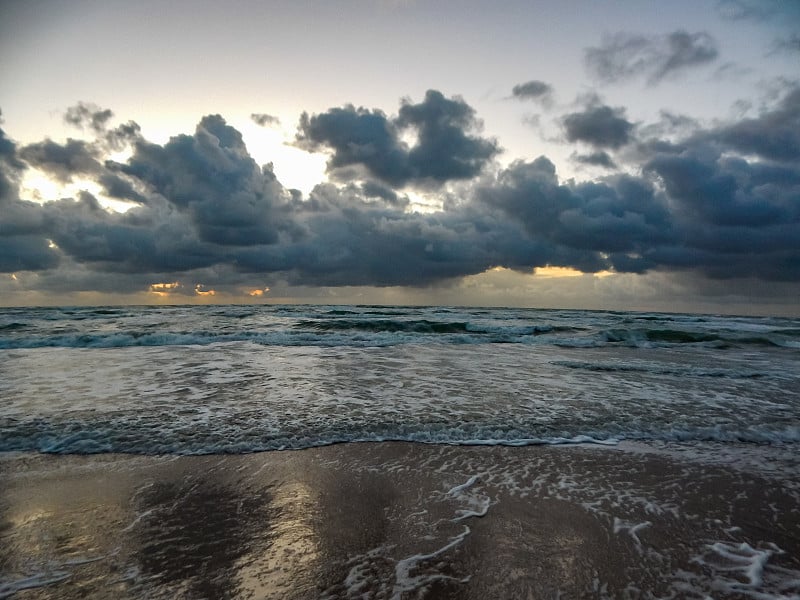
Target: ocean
{"points": [[674, 436], [235, 379]]}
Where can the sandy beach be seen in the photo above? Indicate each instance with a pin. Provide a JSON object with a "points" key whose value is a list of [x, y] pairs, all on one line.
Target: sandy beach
{"points": [[400, 520]]}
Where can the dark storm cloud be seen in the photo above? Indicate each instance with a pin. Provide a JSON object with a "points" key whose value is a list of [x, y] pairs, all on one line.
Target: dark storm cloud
{"points": [[444, 150], [669, 124], [147, 239], [80, 159], [736, 216], [120, 188], [722, 191], [773, 135], [624, 56], [23, 243], [598, 125], [596, 159], [264, 119], [87, 115], [723, 202], [533, 90], [621, 215], [374, 189], [90, 117], [8, 149], [211, 177], [358, 136], [352, 242], [63, 161], [122, 135], [10, 165], [26, 253]]}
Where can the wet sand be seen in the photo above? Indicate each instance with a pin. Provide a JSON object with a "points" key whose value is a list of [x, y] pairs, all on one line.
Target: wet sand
{"points": [[400, 520]]}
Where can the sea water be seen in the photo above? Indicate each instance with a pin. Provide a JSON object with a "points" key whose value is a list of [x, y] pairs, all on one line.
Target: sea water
{"points": [[666, 442], [239, 379]]}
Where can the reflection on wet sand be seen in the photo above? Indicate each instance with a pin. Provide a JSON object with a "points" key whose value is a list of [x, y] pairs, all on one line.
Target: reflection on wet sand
{"points": [[394, 521], [64, 517], [195, 531], [284, 567]]}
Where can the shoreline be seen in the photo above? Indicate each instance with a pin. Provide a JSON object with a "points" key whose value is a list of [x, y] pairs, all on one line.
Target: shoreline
{"points": [[401, 520]]}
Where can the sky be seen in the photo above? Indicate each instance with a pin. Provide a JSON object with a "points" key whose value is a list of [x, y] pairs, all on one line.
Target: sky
{"points": [[589, 154]]}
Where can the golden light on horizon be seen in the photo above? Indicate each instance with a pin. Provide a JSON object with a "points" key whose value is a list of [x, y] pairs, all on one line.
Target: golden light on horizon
{"points": [[258, 292], [198, 289], [560, 272], [549, 271], [163, 289]]}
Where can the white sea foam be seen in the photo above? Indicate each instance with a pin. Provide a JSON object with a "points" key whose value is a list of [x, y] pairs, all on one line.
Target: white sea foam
{"points": [[632, 530], [247, 380], [37, 580], [406, 582], [743, 571], [477, 504]]}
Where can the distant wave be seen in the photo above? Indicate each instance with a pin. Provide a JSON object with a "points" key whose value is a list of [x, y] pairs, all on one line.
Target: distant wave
{"points": [[383, 332], [659, 369], [387, 325], [643, 338]]}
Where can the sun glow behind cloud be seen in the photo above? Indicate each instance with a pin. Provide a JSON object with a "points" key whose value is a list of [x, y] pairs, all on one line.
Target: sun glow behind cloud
{"points": [[38, 187], [561, 272], [164, 289], [200, 290], [294, 168], [556, 272]]}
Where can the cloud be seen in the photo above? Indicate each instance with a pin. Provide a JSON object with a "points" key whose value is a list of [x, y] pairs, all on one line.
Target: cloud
{"points": [[264, 119], [212, 180], [588, 226], [358, 136], [625, 56], [10, 166], [80, 159], [116, 186], [718, 202], [757, 10], [737, 215], [596, 159], [788, 45], [773, 135], [23, 242], [87, 115], [63, 161], [122, 136], [535, 90], [445, 148], [598, 125], [26, 253]]}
